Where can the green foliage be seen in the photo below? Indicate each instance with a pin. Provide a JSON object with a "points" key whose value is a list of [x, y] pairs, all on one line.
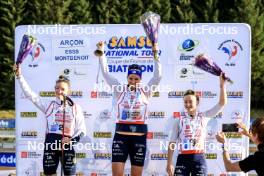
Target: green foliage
{"points": [[251, 12], [206, 11], [135, 11], [182, 12], [107, 11], [80, 12], [11, 15]]}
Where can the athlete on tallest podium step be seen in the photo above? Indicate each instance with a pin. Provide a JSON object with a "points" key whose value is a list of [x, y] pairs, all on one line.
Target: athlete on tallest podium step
{"points": [[130, 104]]}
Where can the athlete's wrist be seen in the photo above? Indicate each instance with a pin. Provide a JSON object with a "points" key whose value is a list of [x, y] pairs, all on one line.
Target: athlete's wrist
{"points": [[224, 147]]}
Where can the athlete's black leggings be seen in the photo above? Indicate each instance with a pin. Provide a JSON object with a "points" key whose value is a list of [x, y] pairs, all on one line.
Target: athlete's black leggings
{"points": [[52, 155], [194, 164]]}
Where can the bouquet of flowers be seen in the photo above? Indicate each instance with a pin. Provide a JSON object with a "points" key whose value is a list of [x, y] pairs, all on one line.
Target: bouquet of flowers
{"points": [[203, 62], [26, 46]]}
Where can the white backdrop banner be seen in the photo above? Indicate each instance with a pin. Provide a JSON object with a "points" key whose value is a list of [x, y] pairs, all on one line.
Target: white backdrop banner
{"points": [[68, 49]]}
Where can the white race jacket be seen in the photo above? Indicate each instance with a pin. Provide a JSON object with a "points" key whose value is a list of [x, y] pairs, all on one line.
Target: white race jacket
{"points": [[130, 107], [74, 123]]}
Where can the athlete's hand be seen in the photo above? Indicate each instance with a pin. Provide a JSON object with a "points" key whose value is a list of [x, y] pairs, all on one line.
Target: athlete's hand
{"points": [[17, 70], [170, 169], [220, 137], [222, 80], [100, 45], [65, 140], [155, 47]]}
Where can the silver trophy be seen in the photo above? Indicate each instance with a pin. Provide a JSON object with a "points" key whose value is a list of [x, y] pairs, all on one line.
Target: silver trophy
{"points": [[151, 22]]}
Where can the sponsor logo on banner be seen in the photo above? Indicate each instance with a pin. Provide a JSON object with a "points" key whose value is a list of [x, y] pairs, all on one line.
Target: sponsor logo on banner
{"points": [[124, 68], [237, 114], [235, 156], [210, 135], [28, 114], [7, 123], [95, 94], [157, 135], [233, 135], [156, 115], [105, 114], [188, 72], [176, 114], [7, 159], [86, 114], [159, 156], [234, 94], [206, 94], [219, 115], [74, 94], [211, 155], [126, 50], [231, 50], [188, 45], [75, 73], [72, 50], [29, 134], [129, 46], [103, 156], [185, 48], [102, 135], [176, 94], [203, 94], [26, 154], [222, 174], [36, 55], [155, 94], [80, 155]]}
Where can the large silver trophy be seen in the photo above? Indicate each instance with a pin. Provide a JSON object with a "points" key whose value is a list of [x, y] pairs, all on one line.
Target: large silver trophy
{"points": [[151, 22]]}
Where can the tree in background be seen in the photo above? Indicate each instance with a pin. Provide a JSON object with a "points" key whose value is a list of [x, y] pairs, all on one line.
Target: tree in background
{"points": [[107, 11], [80, 12], [182, 12], [33, 14], [251, 12], [206, 11], [135, 12], [12, 14], [48, 12]]}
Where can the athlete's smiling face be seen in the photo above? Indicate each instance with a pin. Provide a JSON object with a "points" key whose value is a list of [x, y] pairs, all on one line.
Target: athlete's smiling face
{"points": [[61, 88], [190, 103], [133, 80]]}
